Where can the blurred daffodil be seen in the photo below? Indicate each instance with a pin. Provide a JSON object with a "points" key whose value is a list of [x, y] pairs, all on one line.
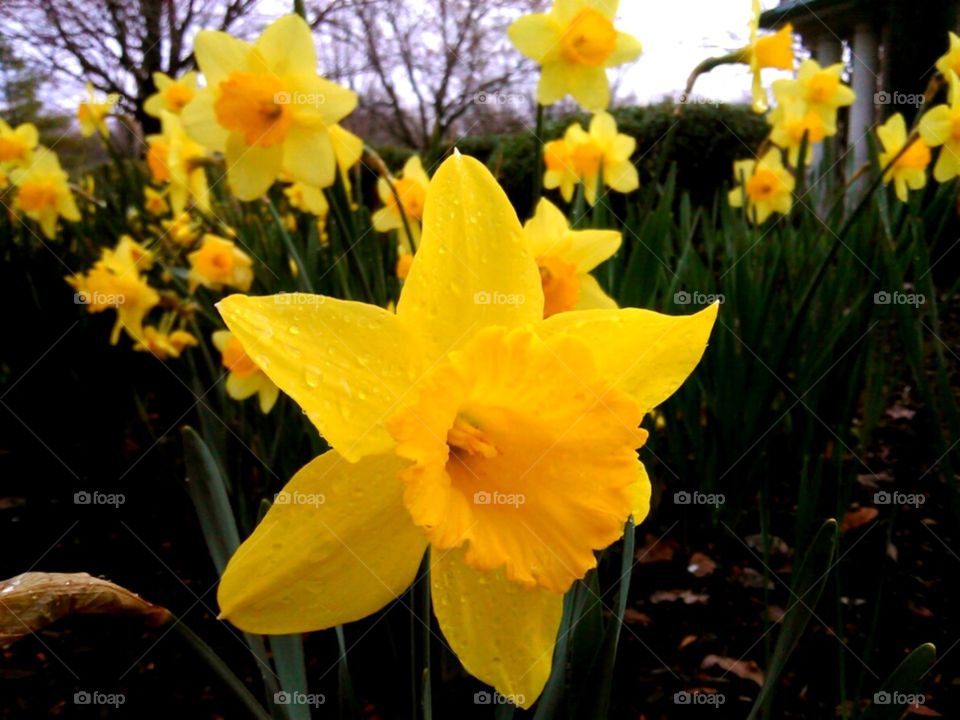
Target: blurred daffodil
{"points": [[559, 171], [449, 423], [172, 94], [404, 201], [767, 187], [17, 145], [154, 202], [766, 51], [909, 170], [92, 112], [244, 378], [951, 59], [820, 89], [44, 192], [164, 345], [565, 258], [266, 108], [219, 263], [940, 127], [181, 229], [308, 198], [791, 121], [574, 44], [173, 157], [128, 256]]}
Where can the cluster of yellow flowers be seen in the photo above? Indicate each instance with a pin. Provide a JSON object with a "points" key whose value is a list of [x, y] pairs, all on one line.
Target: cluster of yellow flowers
{"points": [[43, 191]]}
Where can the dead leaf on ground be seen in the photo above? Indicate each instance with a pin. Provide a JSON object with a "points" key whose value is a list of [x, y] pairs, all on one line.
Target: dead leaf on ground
{"points": [[33, 600], [922, 711], [778, 546], [635, 617], [687, 640], [858, 518], [746, 669], [656, 550], [700, 565], [750, 578], [870, 481], [12, 502], [689, 597], [899, 412]]}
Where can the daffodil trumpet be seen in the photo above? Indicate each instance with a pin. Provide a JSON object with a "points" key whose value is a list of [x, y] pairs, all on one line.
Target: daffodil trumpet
{"points": [[464, 427]]}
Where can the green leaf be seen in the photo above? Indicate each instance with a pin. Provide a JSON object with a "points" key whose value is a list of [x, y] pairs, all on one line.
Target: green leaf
{"points": [[902, 686]]}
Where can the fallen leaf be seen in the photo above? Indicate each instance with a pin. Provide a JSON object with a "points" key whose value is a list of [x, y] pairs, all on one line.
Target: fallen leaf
{"points": [[635, 617], [922, 711], [858, 518], [701, 565], [899, 412], [688, 640], [750, 578], [12, 502], [778, 546], [871, 481], [33, 600], [688, 597], [746, 669], [656, 550]]}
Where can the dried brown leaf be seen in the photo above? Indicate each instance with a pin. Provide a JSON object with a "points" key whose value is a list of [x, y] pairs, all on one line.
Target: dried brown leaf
{"points": [[746, 669]]}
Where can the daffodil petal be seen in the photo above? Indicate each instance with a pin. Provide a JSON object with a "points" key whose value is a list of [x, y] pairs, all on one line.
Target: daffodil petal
{"points": [[537, 36], [627, 49], [251, 169], [553, 84], [337, 545], [287, 46], [642, 490], [589, 87], [503, 633], [308, 156], [241, 387], [218, 54], [589, 248], [340, 361], [643, 353], [936, 125], [472, 268], [200, 121], [592, 296]]}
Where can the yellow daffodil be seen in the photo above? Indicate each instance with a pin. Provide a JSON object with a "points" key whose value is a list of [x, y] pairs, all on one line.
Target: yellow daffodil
{"points": [[154, 202], [172, 95], [940, 127], [465, 423], [44, 192], [17, 145], [308, 198], [566, 257], [181, 229], [266, 108], [92, 113], [164, 345], [574, 44], [582, 156], [767, 51], [244, 378], [951, 60], [175, 158], [767, 187], [218, 263], [792, 120], [909, 172], [4, 179], [404, 263], [115, 283], [348, 149], [821, 89], [411, 190]]}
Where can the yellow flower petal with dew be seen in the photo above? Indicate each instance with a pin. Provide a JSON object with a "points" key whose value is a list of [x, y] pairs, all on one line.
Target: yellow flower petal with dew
{"points": [[909, 171], [335, 546], [503, 633]]}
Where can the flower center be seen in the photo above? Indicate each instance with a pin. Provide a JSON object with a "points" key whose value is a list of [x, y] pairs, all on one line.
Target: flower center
{"points": [[589, 39], [253, 104], [586, 159], [763, 185], [236, 360], [12, 149], [412, 196], [917, 156], [555, 155], [561, 286], [36, 195], [177, 96], [522, 451], [812, 124], [775, 51], [822, 87]]}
